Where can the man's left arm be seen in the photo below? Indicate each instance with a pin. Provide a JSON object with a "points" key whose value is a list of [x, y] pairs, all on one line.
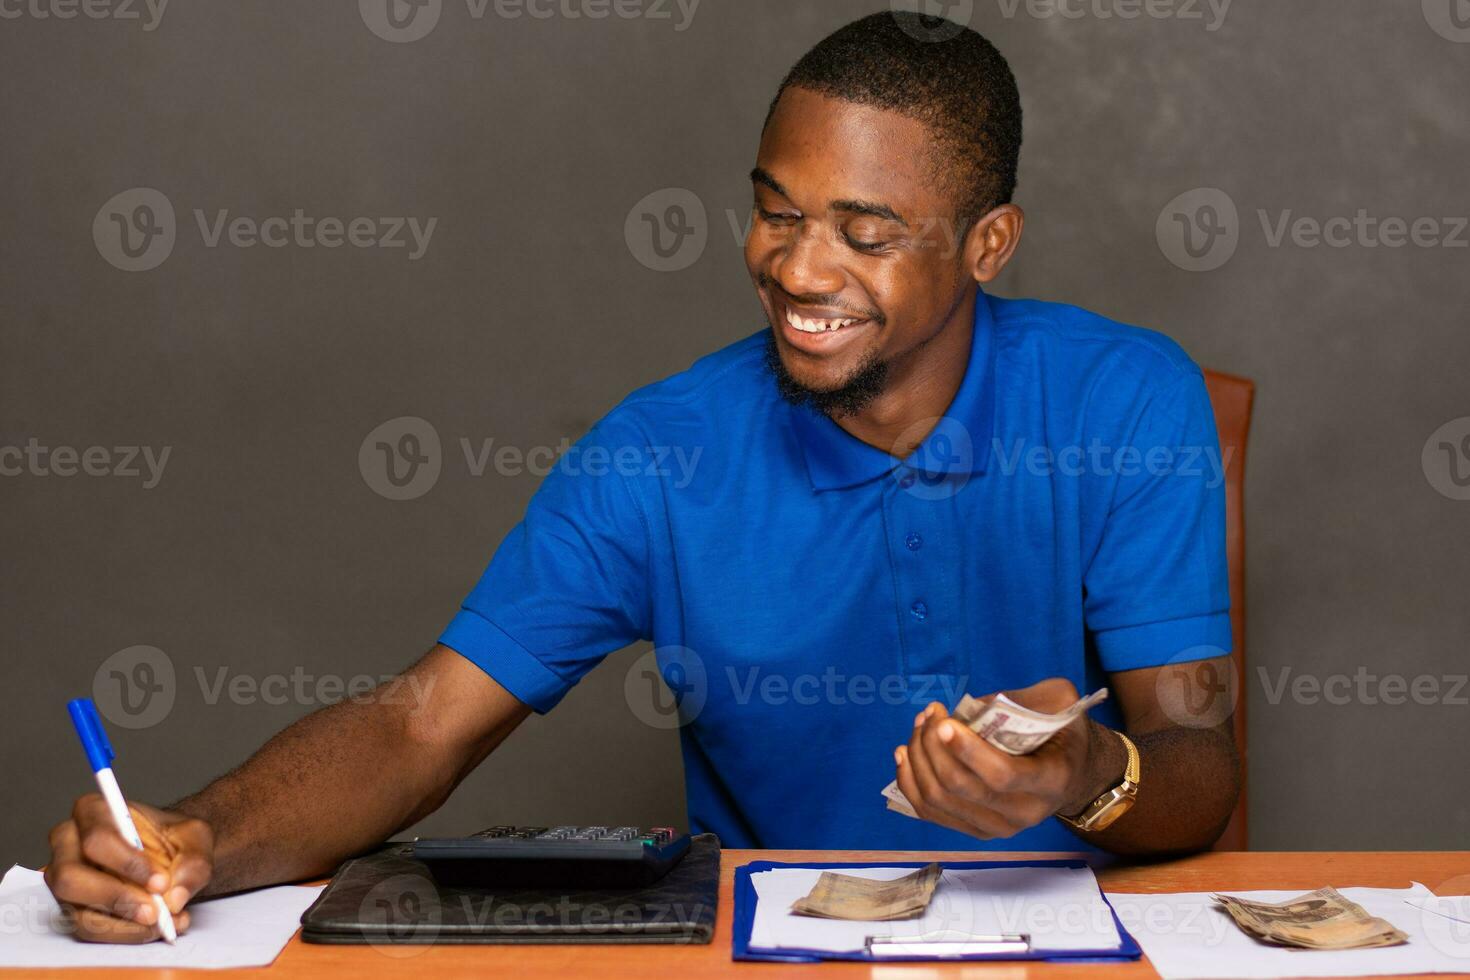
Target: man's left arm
{"points": [[1178, 715]]}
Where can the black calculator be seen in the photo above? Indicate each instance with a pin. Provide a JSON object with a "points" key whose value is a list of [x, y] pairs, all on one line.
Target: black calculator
{"points": [[591, 856]]}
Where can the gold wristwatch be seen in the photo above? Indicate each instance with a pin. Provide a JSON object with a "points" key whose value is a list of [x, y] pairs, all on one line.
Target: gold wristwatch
{"points": [[1103, 811]]}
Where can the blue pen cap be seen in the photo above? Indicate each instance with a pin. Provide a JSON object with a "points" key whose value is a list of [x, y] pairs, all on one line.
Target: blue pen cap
{"points": [[89, 730]]}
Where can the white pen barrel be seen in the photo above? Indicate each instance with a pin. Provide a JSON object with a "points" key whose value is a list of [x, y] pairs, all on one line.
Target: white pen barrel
{"points": [[112, 793]]}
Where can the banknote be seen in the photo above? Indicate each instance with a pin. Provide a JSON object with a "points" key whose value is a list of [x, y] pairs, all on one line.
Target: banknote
{"points": [[1010, 727], [839, 896], [1322, 919]]}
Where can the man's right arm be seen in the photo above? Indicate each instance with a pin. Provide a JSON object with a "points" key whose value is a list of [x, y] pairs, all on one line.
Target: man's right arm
{"points": [[331, 785]]}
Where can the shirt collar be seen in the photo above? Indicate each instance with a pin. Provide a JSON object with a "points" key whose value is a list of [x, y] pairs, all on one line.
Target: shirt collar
{"points": [[958, 444]]}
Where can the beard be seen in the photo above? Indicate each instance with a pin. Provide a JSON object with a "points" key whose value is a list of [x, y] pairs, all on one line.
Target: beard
{"points": [[856, 392]]}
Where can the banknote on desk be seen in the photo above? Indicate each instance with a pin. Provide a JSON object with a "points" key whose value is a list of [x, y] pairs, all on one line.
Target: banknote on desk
{"points": [[1010, 727], [1322, 919], [839, 896]]}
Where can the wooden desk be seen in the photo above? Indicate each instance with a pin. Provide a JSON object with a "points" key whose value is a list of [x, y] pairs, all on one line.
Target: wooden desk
{"points": [[1217, 871]]}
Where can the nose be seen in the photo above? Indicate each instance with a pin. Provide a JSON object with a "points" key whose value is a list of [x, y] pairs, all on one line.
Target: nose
{"points": [[806, 266]]}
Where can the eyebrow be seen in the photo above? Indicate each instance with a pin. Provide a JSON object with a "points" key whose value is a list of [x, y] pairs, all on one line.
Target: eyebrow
{"points": [[874, 209]]}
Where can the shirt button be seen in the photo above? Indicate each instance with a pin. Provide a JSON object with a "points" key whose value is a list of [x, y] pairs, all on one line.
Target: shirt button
{"points": [[906, 480], [918, 610], [914, 541]]}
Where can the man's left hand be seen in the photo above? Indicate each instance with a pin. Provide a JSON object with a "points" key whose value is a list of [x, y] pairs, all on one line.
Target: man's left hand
{"points": [[955, 778]]}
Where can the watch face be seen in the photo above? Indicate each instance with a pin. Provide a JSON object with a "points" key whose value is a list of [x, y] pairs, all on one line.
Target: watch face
{"points": [[1119, 806]]}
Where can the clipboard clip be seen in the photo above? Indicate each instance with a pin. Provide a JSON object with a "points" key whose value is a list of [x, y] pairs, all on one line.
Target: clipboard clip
{"points": [[947, 945]]}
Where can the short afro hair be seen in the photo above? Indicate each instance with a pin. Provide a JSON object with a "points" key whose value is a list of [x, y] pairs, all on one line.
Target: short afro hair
{"points": [[940, 73]]}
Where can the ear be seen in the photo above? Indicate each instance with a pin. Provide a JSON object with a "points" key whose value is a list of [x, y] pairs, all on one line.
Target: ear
{"points": [[992, 241]]}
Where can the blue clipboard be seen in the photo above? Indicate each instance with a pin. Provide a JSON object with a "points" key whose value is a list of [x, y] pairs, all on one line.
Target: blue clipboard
{"points": [[744, 920]]}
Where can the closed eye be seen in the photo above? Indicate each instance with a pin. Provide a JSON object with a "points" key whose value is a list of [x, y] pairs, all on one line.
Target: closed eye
{"points": [[867, 248]]}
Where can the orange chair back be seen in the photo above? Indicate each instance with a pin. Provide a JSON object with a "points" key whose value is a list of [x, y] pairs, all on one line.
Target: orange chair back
{"points": [[1232, 397]]}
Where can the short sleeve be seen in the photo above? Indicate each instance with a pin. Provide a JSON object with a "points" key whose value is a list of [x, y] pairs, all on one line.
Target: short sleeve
{"points": [[568, 585], [1157, 587]]}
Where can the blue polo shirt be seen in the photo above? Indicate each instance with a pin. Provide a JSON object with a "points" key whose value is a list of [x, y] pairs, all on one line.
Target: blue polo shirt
{"points": [[807, 594]]}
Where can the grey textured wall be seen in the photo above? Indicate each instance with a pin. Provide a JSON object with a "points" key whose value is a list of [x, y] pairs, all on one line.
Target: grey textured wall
{"points": [[264, 550]]}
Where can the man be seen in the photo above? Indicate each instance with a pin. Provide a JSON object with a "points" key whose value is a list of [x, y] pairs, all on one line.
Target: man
{"points": [[906, 489]]}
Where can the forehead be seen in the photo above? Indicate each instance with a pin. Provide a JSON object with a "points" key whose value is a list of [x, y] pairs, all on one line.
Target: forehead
{"points": [[823, 149]]}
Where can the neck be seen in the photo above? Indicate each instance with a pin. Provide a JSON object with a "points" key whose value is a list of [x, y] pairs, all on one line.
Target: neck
{"points": [[921, 385]]}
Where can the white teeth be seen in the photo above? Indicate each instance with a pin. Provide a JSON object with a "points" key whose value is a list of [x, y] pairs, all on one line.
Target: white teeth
{"points": [[812, 325]]}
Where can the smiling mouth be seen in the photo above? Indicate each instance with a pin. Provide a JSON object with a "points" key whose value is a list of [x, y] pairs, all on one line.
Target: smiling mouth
{"points": [[819, 324]]}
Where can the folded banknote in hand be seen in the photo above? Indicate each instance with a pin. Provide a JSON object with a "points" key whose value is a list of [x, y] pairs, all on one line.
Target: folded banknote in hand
{"points": [[1010, 727]]}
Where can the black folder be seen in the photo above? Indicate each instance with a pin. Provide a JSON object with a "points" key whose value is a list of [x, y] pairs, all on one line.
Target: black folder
{"points": [[387, 898]]}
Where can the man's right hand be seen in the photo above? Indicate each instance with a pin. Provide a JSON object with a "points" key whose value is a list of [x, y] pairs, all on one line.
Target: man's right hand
{"points": [[105, 886]]}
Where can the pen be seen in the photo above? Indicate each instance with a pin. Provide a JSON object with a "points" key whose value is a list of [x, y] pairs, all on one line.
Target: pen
{"points": [[100, 755]]}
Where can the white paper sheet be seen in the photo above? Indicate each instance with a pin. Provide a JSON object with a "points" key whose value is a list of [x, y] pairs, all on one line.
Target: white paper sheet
{"points": [[243, 930], [1187, 938], [1060, 908]]}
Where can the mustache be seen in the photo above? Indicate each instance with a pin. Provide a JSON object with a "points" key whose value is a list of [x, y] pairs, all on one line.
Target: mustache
{"points": [[828, 300]]}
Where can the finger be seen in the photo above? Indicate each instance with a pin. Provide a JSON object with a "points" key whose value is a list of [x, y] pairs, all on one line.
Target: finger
{"points": [[940, 804], [1050, 695], [965, 798], [915, 798], [80, 885], [104, 847], [1000, 771], [190, 875], [932, 709], [940, 744], [92, 926], [929, 789], [160, 845], [193, 862], [71, 879]]}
